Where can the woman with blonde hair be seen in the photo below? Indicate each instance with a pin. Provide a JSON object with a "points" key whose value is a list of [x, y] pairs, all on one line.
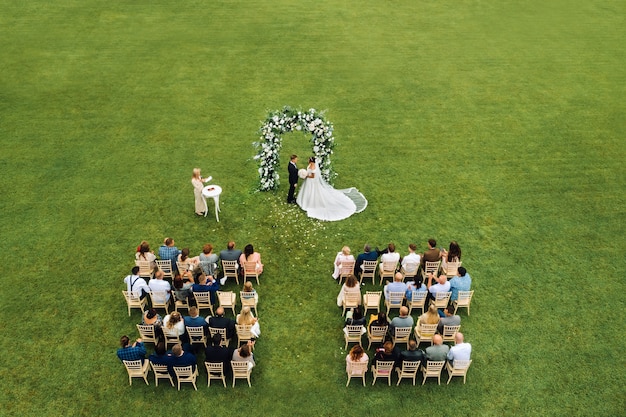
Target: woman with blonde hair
{"points": [[198, 184], [246, 318], [429, 317], [356, 355], [173, 324], [343, 256]]}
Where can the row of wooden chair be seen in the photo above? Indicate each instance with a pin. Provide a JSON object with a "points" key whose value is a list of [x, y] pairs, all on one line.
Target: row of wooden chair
{"points": [[376, 334], [140, 369], [371, 300], [384, 369], [387, 270], [227, 299], [196, 335], [230, 269]]}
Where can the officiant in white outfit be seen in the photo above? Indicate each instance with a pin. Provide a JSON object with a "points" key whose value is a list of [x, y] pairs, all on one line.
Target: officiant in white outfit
{"points": [[321, 201]]}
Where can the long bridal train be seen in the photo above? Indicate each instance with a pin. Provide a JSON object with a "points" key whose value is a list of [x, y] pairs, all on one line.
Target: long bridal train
{"points": [[321, 201]]}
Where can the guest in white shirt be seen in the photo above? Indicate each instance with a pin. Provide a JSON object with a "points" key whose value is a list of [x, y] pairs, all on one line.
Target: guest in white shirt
{"points": [[460, 351], [159, 284], [390, 256], [411, 262]]}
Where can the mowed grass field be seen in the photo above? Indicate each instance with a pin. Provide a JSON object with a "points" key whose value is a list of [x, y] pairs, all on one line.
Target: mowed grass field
{"points": [[496, 124]]}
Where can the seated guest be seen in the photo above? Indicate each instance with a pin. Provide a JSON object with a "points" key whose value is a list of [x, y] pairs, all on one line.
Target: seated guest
{"points": [[451, 255], [461, 282], [230, 253], [206, 283], [450, 319], [216, 353], [437, 351], [244, 354], [355, 318], [350, 286], [247, 288], [182, 358], [442, 285], [169, 252], [380, 320], [367, 255], [182, 287], [390, 256], [173, 324], [151, 318], [411, 262], [145, 254], [194, 320], [416, 285], [208, 260], [343, 256], [431, 316], [136, 285], [404, 320], [386, 353], [356, 355], [249, 255], [159, 284], [397, 285], [220, 322], [129, 352], [160, 356], [186, 262], [460, 351], [246, 318], [432, 254], [412, 354]]}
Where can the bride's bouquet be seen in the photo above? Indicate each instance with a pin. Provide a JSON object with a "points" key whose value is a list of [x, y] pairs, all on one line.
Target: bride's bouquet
{"points": [[302, 173]]}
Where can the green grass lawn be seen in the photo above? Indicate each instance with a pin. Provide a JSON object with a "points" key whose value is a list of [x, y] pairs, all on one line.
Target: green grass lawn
{"points": [[497, 124]]}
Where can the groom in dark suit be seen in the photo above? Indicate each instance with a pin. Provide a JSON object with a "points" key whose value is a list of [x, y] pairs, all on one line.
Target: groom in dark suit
{"points": [[293, 179]]}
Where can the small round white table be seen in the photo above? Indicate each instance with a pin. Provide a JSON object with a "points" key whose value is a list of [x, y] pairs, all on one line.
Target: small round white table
{"points": [[212, 191]]}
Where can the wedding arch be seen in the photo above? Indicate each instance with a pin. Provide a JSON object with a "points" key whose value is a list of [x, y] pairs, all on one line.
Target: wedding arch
{"points": [[288, 120]]}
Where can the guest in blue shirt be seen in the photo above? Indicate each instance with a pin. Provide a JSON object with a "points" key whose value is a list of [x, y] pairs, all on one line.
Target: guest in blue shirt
{"points": [[206, 283], [129, 352], [462, 282], [169, 252]]}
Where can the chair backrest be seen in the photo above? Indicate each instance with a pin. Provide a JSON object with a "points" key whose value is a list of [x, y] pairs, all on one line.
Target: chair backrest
{"points": [[184, 373], [384, 367], [402, 334], [372, 298], [449, 332], [433, 368], [196, 334], [354, 332], [215, 369], [183, 266], [425, 332], [395, 298], [351, 299], [165, 266], [159, 299], [134, 368], [171, 338], [226, 298], [160, 371], [346, 268], [389, 266], [241, 369], [452, 268], [357, 368], [203, 299], [418, 298], [442, 299], [460, 367], [146, 332], [410, 269], [145, 269], [222, 331], [229, 268], [378, 331], [409, 368], [249, 269], [431, 267], [132, 299], [244, 332], [465, 297], [248, 298]]}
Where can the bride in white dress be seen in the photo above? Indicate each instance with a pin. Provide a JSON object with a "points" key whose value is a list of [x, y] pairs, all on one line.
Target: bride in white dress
{"points": [[321, 201]]}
